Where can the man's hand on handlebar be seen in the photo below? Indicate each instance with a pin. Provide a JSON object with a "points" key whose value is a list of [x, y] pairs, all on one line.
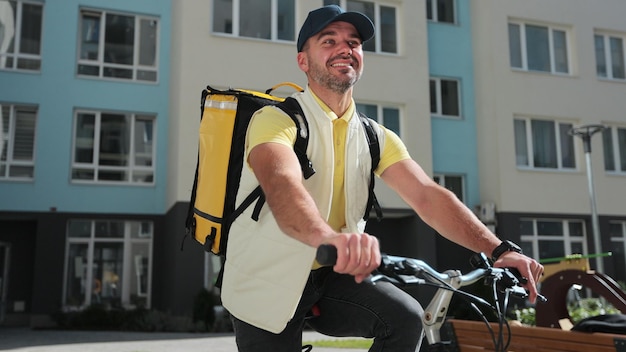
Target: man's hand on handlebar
{"points": [[357, 254], [529, 269]]}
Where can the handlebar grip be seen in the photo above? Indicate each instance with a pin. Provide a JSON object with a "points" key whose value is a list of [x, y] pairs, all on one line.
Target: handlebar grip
{"points": [[326, 254]]}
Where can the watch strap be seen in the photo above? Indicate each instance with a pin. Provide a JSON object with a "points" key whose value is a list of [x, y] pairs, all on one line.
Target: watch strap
{"points": [[505, 246]]}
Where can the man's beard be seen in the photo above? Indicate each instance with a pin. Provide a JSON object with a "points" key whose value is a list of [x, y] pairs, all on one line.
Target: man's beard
{"points": [[339, 85]]}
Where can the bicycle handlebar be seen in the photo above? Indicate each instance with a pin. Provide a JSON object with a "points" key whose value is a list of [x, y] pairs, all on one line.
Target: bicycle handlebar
{"points": [[404, 270], [410, 271]]}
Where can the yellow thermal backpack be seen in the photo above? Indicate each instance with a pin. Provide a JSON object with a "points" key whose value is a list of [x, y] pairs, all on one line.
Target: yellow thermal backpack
{"points": [[225, 116]]}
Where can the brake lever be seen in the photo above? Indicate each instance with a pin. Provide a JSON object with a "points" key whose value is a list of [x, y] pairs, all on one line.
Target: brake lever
{"points": [[382, 277], [521, 280], [518, 291]]}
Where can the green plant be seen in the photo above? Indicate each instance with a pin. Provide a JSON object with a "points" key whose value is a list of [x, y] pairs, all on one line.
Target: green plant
{"points": [[526, 316], [589, 307], [578, 310]]}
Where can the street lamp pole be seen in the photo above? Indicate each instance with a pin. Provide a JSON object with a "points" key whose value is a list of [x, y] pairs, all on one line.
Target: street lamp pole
{"points": [[586, 132]]}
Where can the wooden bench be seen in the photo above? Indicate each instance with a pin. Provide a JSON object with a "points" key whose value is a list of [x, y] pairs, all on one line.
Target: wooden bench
{"points": [[469, 336]]}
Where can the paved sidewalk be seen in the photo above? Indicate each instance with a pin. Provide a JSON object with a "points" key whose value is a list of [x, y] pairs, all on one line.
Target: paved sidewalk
{"points": [[28, 340]]}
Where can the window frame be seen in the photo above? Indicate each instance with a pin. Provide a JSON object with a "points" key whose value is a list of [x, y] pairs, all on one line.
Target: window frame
{"points": [[433, 14], [380, 114], [439, 101], [17, 56], [532, 241], [131, 168], [274, 23], [523, 49], [100, 63], [128, 260], [8, 150], [617, 155], [530, 148], [608, 55]]}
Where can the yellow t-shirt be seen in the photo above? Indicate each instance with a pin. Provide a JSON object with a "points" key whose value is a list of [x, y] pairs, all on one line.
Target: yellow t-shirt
{"points": [[276, 127]]}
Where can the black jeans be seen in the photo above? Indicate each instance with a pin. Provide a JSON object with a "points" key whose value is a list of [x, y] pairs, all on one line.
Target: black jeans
{"points": [[380, 311]]}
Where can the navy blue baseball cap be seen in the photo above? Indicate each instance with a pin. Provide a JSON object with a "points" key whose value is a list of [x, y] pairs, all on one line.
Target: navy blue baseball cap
{"points": [[322, 17]]}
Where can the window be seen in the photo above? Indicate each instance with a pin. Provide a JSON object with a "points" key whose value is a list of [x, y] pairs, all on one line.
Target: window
{"points": [[610, 56], [614, 143], [552, 238], [445, 97], [385, 20], [262, 19], [544, 144], [113, 147], [108, 262], [118, 46], [386, 116], [617, 232], [454, 183], [17, 161], [20, 35], [440, 11], [538, 48]]}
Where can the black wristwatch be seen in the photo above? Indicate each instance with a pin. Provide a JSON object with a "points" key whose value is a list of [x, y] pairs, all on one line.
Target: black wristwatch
{"points": [[505, 246]]}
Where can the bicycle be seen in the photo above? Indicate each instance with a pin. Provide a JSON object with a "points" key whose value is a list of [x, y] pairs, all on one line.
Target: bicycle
{"points": [[403, 271]]}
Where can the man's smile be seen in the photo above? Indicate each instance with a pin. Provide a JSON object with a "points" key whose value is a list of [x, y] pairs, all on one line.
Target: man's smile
{"points": [[341, 64]]}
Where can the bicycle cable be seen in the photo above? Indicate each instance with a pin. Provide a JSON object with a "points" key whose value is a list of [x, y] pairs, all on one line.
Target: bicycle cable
{"points": [[472, 300]]}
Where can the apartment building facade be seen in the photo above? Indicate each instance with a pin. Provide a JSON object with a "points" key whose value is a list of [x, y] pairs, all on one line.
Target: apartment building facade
{"points": [[100, 118], [543, 69]]}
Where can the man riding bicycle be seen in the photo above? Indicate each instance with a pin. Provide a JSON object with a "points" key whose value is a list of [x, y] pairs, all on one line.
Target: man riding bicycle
{"points": [[271, 280]]}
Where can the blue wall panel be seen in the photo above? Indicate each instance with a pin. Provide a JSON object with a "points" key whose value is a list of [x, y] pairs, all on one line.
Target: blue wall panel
{"points": [[454, 141]]}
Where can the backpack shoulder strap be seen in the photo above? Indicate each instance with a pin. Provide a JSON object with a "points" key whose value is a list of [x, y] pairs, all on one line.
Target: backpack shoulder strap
{"points": [[372, 139], [374, 146], [292, 108]]}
